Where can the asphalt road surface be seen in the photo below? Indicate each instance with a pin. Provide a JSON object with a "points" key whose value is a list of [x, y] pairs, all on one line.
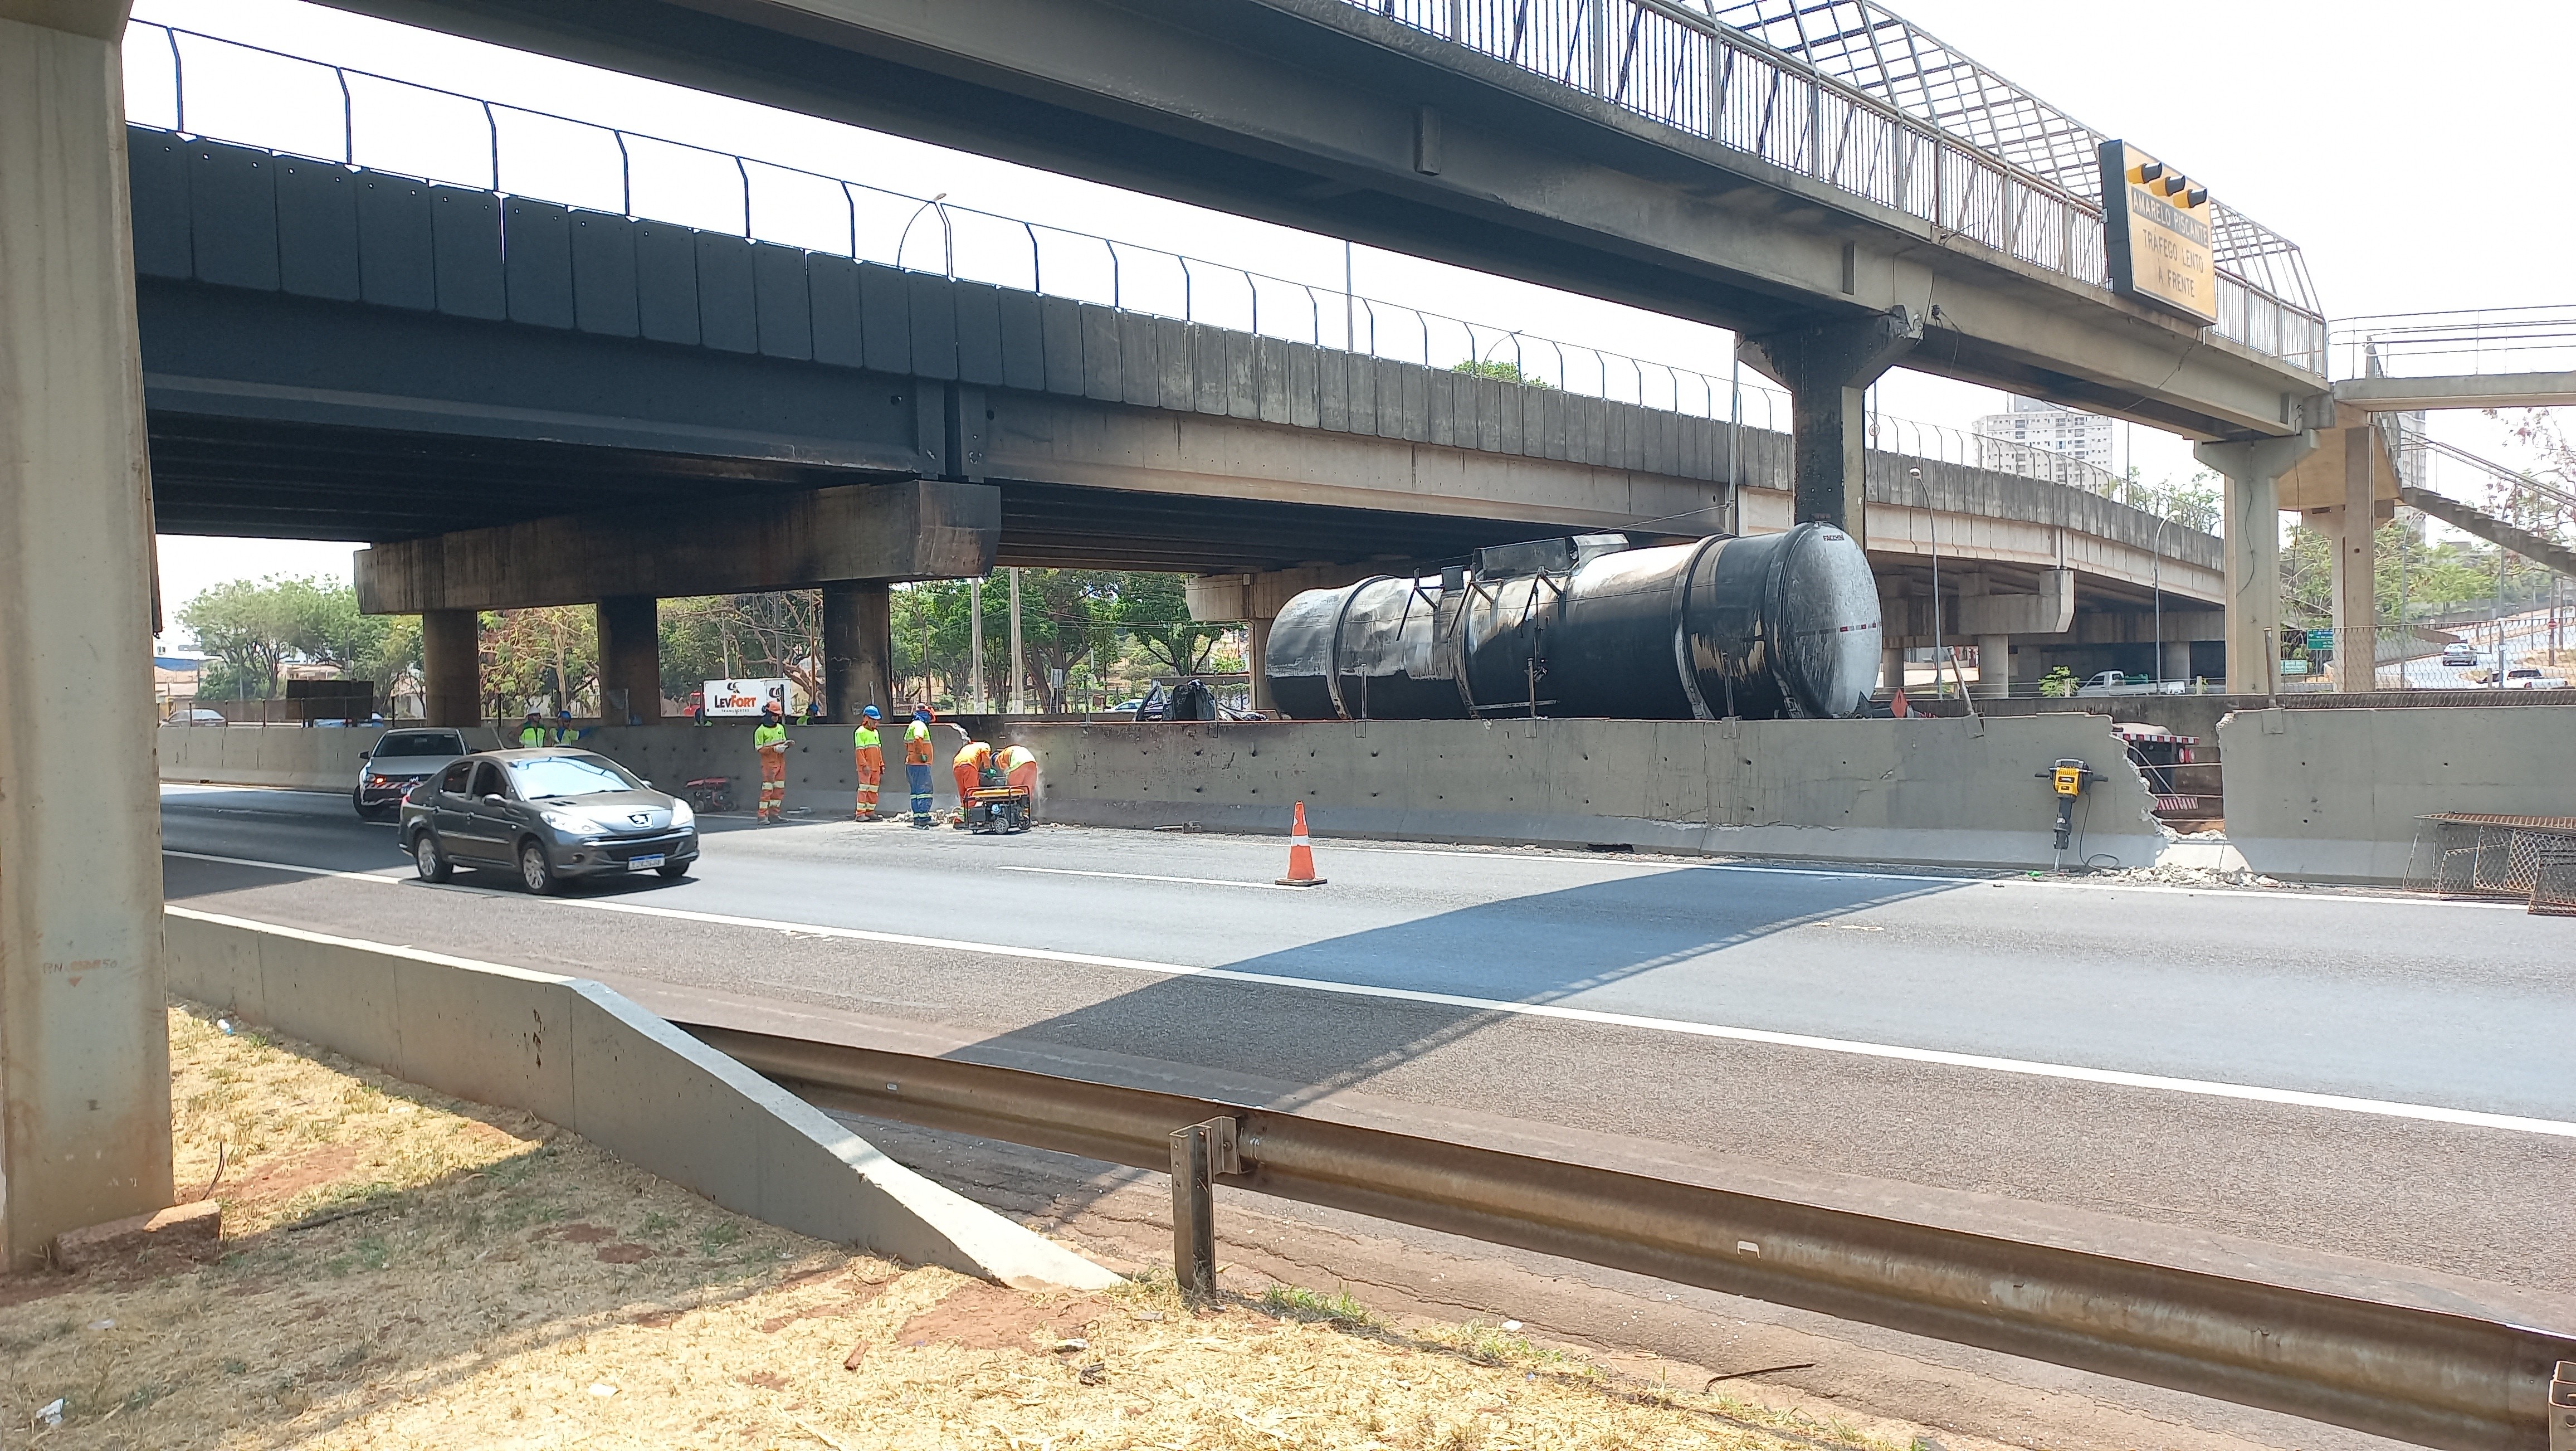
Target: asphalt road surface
{"points": [[2344, 1074]]}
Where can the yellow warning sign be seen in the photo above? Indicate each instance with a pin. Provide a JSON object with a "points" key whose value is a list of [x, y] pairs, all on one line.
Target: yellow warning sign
{"points": [[2157, 224]]}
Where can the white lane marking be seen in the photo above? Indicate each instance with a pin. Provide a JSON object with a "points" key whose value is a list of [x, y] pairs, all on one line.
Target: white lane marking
{"points": [[2204, 1088], [2016, 878], [389, 874], [202, 788], [1147, 877]]}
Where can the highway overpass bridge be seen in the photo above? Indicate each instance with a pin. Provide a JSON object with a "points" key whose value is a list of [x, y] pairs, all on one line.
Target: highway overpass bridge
{"points": [[1842, 198], [529, 404], [1793, 191]]}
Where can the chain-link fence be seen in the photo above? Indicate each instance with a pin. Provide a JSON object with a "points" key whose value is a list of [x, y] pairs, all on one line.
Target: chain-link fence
{"points": [[2520, 858]]}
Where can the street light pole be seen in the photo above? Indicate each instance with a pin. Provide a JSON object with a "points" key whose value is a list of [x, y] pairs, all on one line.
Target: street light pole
{"points": [[975, 643], [2156, 574], [1019, 667]]}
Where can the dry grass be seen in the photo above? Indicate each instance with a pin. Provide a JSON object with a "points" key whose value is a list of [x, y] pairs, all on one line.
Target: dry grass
{"points": [[405, 1270]]}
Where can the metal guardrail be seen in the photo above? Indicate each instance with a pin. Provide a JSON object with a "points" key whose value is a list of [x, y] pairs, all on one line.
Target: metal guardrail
{"points": [[1703, 76], [2420, 1375]]}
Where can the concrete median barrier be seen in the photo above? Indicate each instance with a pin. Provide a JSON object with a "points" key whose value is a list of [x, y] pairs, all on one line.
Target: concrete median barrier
{"points": [[581, 1055], [2335, 795], [312, 758], [1952, 791], [1932, 791]]}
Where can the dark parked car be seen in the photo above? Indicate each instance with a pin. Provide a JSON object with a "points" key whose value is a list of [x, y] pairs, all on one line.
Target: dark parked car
{"points": [[401, 760], [550, 814]]}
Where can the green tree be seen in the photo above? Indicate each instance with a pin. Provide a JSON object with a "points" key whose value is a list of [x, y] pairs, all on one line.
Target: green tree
{"points": [[250, 626], [1496, 368], [1154, 609], [541, 659]]}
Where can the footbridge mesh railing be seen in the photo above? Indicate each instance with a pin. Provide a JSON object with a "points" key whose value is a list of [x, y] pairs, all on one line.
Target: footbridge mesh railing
{"points": [[1850, 95]]}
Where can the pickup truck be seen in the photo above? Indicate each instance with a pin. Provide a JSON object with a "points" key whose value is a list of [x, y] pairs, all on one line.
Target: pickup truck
{"points": [[2112, 682]]}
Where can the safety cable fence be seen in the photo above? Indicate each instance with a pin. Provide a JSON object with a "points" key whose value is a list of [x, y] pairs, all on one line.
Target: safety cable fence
{"points": [[1707, 79]]}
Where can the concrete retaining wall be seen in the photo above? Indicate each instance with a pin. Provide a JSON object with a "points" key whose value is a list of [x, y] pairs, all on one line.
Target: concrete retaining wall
{"points": [[580, 1055], [1885, 791], [2334, 794]]}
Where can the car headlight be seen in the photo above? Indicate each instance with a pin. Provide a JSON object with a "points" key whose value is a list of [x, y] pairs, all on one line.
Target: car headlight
{"points": [[682, 818], [571, 823]]}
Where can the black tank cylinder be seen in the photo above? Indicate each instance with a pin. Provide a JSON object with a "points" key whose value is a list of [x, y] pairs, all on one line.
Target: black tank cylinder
{"points": [[1762, 627]]}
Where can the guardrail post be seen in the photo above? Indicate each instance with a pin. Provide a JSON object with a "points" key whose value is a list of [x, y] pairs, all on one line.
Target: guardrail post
{"points": [[1199, 1153]]}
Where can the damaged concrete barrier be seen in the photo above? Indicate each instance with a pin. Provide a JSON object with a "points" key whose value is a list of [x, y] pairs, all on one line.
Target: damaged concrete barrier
{"points": [[580, 1055], [1957, 791]]}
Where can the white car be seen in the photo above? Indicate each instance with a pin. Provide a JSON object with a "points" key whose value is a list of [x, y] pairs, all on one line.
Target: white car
{"points": [[400, 760], [2529, 678], [195, 718]]}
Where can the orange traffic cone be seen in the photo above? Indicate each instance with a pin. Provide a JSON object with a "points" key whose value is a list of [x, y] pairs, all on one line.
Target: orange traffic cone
{"points": [[1896, 705], [1301, 855]]}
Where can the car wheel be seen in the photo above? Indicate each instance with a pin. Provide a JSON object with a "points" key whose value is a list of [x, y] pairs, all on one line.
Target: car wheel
{"points": [[536, 869], [673, 871], [429, 860]]}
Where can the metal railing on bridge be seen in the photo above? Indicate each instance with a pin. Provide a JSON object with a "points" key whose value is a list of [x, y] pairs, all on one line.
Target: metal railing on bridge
{"points": [[2474, 341], [1844, 93], [356, 117]]}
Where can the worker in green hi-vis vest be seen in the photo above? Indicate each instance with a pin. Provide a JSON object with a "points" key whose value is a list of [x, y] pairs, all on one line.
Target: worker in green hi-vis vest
{"points": [[871, 762], [769, 738]]}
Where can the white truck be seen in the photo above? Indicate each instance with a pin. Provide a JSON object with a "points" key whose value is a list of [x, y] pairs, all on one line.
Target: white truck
{"points": [[2113, 682]]}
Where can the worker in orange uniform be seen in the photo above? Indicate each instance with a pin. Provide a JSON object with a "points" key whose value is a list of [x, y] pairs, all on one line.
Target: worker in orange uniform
{"points": [[1020, 768], [916, 763], [871, 759], [769, 740], [970, 766]]}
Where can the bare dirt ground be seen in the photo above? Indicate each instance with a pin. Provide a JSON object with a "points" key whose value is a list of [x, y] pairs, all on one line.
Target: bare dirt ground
{"points": [[402, 1269]]}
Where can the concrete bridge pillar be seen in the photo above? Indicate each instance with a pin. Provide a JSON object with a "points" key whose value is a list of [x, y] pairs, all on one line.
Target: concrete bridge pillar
{"points": [[1994, 665], [2356, 565], [1827, 371], [1256, 647], [451, 666], [84, 1052], [858, 648], [2176, 661], [630, 660], [2253, 528]]}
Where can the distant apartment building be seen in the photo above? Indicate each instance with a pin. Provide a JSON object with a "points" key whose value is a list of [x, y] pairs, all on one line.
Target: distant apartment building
{"points": [[2055, 443]]}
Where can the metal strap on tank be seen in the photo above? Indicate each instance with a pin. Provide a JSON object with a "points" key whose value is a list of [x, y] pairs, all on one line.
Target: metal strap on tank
{"points": [[1461, 640], [1775, 610], [1333, 658], [1681, 630]]}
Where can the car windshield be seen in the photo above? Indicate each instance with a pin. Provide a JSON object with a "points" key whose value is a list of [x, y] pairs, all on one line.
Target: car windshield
{"points": [[420, 743], [541, 776]]}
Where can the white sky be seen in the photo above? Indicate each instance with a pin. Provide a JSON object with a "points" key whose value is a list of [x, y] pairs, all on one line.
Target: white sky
{"points": [[2389, 146]]}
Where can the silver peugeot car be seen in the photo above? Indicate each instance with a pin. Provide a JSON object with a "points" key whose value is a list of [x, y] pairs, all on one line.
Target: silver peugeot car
{"points": [[550, 814]]}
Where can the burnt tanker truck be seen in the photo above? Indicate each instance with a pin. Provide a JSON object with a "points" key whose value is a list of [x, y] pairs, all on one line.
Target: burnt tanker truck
{"points": [[1764, 627]]}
